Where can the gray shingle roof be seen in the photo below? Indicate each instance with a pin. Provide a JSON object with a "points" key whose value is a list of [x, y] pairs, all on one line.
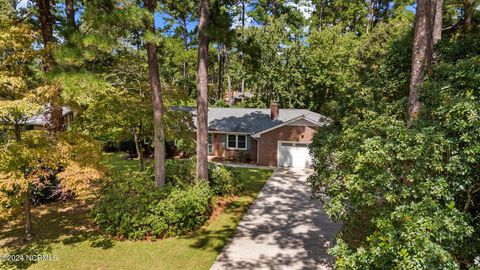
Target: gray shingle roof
{"points": [[252, 120]]}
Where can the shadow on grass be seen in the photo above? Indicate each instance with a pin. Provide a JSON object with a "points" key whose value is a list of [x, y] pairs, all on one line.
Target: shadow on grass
{"points": [[66, 223], [70, 224], [217, 238]]}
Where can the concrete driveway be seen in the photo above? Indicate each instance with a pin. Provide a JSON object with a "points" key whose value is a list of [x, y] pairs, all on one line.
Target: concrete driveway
{"points": [[283, 229]]}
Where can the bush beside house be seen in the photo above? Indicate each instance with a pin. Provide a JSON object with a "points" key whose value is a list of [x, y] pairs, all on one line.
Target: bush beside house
{"points": [[131, 206]]}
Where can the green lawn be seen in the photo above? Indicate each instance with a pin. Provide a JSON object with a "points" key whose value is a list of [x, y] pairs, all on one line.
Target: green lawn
{"points": [[65, 231], [116, 162]]}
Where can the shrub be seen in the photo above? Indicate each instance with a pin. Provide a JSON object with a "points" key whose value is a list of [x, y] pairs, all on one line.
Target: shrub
{"points": [[223, 180], [48, 189], [131, 206], [180, 172], [122, 209], [220, 103], [184, 210], [3, 136], [185, 146]]}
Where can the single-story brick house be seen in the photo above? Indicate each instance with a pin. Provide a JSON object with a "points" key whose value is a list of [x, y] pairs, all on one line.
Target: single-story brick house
{"points": [[268, 137]]}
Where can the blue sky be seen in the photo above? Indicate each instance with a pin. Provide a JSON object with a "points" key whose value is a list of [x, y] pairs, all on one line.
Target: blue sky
{"points": [[160, 21], [305, 6], [159, 17]]}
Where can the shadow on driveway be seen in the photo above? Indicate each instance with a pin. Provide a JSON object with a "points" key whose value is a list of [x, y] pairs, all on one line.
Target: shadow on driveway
{"points": [[283, 229]]}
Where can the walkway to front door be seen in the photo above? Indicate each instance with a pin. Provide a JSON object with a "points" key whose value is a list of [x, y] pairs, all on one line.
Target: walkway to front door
{"points": [[283, 229]]}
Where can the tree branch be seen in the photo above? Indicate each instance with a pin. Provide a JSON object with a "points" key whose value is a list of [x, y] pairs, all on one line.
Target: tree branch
{"points": [[470, 193]]}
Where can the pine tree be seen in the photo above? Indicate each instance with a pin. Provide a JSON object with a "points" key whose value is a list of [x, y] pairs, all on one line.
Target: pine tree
{"points": [[202, 91]]}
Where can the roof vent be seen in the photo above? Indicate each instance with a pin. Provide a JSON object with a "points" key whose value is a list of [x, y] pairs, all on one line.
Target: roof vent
{"points": [[274, 110]]}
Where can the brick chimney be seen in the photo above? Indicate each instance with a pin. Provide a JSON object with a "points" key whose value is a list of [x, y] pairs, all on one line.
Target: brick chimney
{"points": [[274, 110]]}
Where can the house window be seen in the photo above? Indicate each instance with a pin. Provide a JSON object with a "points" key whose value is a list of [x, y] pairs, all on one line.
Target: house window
{"points": [[232, 141], [241, 141], [237, 141]]}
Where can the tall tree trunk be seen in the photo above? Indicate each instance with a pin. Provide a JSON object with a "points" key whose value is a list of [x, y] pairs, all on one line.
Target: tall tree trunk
{"points": [[202, 91], [242, 54], [221, 57], [46, 27], [157, 100], [141, 164], [55, 115], [427, 23], [185, 47], [242, 85], [437, 21], [421, 56], [468, 10], [227, 67], [17, 132], [70, 12], [371, 15], [26, 200], [28, 216], [243, 14]]}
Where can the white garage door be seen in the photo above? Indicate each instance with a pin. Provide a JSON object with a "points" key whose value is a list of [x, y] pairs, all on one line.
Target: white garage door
{"points": [[293, 154]]}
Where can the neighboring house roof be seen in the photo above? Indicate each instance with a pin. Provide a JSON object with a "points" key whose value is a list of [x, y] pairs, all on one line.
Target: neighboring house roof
{"points": [[41, 120], [253, 120]]}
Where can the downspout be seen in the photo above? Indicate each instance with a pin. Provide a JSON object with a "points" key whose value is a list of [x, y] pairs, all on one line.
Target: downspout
{"points": [[258, 148]]}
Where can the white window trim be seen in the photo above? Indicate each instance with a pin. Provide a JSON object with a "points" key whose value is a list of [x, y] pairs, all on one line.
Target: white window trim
{"points": [[236, 142]]}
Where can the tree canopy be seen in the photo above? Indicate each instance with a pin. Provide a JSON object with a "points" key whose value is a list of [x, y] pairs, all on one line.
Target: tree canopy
{"points": [[399, 166]]}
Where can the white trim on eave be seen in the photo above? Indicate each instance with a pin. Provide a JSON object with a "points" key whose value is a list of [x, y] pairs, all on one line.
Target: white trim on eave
{"points": [[257, 135]]}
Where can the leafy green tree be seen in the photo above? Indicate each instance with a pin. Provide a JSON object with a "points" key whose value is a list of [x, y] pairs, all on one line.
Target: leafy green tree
{"points": [[182, 13], [265, 12], [16, 57], [115, 105], [16, 113], [330, 75], [50, 93], [36, 160], [398, 190], [357, 16], [134, 21], [277, 71]]}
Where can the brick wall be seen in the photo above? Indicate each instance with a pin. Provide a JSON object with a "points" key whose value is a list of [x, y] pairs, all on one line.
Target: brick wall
{"points": [[268, 142], [220, 150]]}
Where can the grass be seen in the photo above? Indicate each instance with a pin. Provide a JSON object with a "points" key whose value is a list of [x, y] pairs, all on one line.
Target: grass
{"points": [[64, 230], [116, 162]]}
